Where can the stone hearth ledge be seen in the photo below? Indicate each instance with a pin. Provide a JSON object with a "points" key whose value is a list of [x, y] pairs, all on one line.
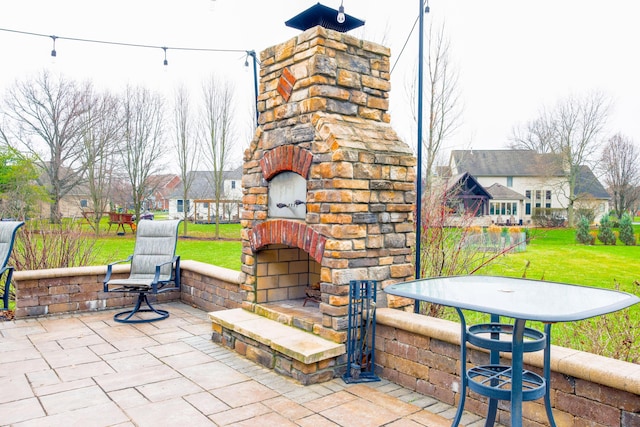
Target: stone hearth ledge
{"points": [[293, 342]]}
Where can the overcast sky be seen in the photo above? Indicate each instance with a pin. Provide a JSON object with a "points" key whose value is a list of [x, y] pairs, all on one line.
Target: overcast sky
{"points": [[514, 57]]}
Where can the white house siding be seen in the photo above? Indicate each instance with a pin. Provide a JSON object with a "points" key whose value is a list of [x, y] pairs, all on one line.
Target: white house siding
{"points": [[522, 184], [559, 191], [495, 166]]}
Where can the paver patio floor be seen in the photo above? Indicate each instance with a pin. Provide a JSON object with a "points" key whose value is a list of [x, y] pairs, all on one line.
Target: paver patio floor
{"points": [[87, 370]]}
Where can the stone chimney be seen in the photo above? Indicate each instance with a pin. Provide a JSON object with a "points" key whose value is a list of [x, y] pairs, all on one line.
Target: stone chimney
{"points": [[329, 188]]}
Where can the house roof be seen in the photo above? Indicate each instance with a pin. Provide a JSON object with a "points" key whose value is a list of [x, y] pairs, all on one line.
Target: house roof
{"points": [[505, 163], [202, 184], [79, 188], [523, 163], [466, 183], [588, 184], [500, 192]]}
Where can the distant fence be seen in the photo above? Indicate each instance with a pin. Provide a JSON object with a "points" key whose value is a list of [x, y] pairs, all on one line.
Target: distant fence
{"points": [[497, 241]]}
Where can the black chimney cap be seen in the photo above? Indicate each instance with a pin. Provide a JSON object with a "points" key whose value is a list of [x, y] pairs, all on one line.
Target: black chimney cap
{"points": [[325, 16]]}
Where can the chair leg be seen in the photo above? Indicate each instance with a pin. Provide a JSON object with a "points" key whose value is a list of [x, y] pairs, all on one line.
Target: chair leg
{"points": [[7, 287], [126, 316]]}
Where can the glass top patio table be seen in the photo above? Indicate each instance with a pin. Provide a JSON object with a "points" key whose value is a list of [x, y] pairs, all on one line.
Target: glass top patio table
{"points": [[516, 298], [521, 300]]}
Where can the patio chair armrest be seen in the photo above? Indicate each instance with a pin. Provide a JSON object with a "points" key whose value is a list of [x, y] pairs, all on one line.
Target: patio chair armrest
{"points": [[107, 277], [156, 278]]}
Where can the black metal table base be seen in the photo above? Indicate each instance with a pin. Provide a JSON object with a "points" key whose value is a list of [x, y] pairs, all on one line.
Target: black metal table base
{"points": [[495, 380]]}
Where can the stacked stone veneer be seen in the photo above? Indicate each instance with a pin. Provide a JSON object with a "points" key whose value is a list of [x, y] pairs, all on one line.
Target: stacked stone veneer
{"points": [[323, 106]]}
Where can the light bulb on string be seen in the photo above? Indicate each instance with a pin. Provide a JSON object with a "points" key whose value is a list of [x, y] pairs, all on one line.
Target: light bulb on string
{"points": [[53, 50], [54, 53], [165, 56], [341, 16]]}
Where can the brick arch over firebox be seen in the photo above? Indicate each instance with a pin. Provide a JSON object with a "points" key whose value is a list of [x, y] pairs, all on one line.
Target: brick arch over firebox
{"points": [[290, 233], [286, 158]]}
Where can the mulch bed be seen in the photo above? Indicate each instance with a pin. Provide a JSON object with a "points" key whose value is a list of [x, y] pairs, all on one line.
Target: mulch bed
{"points": [[6, 315]]}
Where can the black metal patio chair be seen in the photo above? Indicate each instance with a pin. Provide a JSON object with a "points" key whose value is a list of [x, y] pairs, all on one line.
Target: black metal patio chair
{"points": [[8, 231], [155, 269]]}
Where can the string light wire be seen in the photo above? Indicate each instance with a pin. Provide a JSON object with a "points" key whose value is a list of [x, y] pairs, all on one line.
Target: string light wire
{"points": [[248, 53], [113, 43]]}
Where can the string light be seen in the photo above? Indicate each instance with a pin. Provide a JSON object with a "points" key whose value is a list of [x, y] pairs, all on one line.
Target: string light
{"points": [[248, 53], [107, 42], [53, 51], [341, 17]]}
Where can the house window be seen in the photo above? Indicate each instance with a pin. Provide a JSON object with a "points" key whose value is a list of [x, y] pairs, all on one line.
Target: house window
{"points": [[527, 208], [233, 185], [548, 195], [509, 181], [503, 208], [538, 195], [84, 203], [547, 205], [181, 206]]}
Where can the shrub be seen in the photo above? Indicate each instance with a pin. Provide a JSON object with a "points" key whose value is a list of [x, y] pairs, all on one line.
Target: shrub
{"points": [[444, 248], [494, 229], [605, 234], [587, 213], [616, 335], [583, 236], [549, 217], [474, 229], [626, 230], [42, 246]]}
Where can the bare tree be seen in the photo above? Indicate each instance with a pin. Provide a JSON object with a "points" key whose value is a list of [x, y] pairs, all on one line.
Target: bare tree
{"points": [[184, 143], [572, 131], [101, 140], [537, 136], [442, 98], [142, 137], [619, 164], [217, 133], [45, 118]]}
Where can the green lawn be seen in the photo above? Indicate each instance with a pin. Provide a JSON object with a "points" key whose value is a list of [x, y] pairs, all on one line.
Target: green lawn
{"points": [[551, 255], [554, 255], [199, 245]]}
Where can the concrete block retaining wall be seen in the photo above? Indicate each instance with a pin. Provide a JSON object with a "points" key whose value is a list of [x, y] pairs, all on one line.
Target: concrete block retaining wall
{"points": [[79, 289]]}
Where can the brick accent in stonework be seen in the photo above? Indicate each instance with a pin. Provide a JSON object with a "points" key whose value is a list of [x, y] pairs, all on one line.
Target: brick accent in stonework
{"points": [[333, 130], [285, 84], [286, 158], [290, 233]]}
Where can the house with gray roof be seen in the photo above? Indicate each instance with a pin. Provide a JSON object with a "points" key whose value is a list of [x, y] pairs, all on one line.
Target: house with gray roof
{"points": [[200, 202], [521, 181]]}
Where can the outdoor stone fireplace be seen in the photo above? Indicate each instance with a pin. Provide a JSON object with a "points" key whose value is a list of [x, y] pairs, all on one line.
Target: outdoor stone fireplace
{"points": [[328, 186]]}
